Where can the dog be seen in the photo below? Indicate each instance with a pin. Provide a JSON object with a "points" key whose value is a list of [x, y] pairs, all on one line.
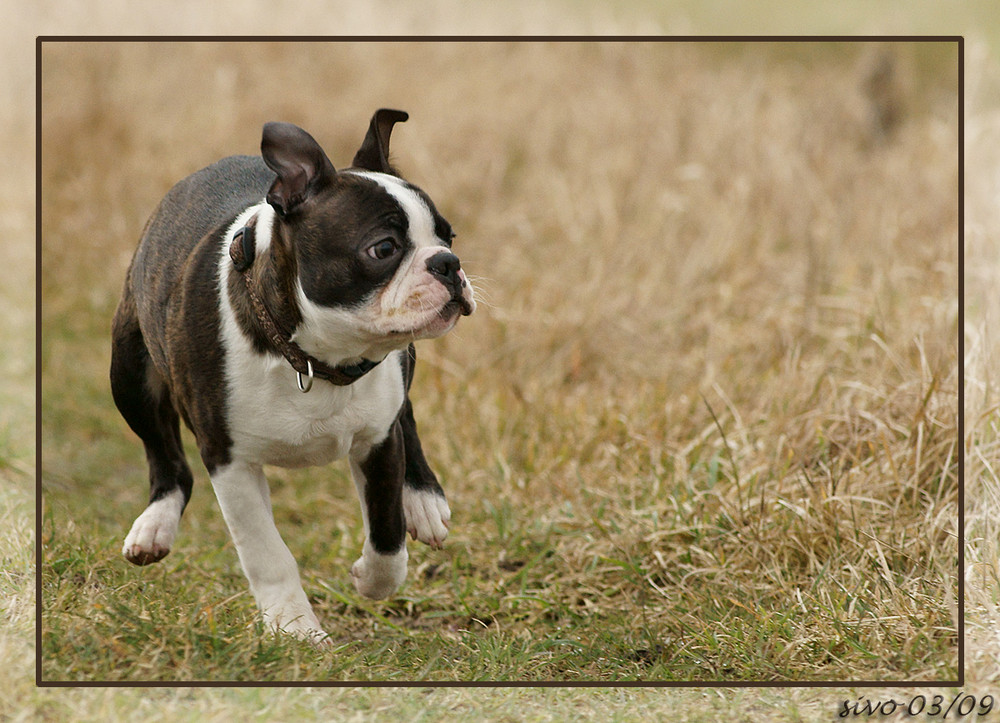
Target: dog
{"points": [[272, 304]]}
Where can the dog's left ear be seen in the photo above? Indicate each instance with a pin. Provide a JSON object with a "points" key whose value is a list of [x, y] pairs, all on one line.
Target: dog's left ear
{"points": [[374, 152], [302, 166]]}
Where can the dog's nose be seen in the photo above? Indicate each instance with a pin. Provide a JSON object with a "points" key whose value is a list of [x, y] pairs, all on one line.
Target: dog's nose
{"points": [[445, 266]]}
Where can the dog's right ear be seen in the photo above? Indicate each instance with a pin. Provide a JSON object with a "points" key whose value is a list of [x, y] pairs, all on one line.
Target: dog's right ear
{"points": [[302, 166]]}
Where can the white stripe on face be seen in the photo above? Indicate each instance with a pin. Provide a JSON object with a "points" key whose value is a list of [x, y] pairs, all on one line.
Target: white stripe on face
{"points": [[418, 215]]}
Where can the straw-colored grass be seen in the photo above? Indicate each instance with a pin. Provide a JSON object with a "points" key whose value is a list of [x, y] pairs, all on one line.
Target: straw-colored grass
{"points": [[982, 375]]}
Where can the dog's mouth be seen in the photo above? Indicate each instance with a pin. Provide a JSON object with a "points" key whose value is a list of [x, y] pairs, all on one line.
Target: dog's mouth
{"points": [[458, 304], [440, 322], [431, 309]]}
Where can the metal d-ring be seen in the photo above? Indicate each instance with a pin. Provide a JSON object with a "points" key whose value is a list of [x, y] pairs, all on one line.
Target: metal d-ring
{"points": [[309, 374]]}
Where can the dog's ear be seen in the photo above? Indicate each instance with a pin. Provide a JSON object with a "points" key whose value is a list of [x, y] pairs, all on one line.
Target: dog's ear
{"points": [[301, 165], [374, 152]]}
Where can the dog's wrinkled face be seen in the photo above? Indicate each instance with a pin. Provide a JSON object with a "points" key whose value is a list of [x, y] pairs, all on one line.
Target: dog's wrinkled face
{"points": [[428, 290], [373, 255], [376, 257]]}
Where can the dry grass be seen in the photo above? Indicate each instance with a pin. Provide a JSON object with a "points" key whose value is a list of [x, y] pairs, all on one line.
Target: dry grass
{"points": [[982, 383], [705, 426]]}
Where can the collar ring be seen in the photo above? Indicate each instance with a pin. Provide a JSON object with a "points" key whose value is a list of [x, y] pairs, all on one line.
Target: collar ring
{"points": [[309, 376]]}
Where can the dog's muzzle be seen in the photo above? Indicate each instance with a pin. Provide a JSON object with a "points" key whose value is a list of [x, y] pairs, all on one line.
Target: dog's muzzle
{"points": [[447, 269]]}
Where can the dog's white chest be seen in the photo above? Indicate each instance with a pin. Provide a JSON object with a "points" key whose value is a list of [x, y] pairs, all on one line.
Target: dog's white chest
{"points": [[272, 422]]}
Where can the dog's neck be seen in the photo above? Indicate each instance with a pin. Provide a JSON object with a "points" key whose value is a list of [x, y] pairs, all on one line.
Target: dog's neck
{"points": [[262, 294]]}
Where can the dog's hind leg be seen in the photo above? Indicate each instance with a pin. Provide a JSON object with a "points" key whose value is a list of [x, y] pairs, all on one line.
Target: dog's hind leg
{"points": [[424, 503], [145, 402]]}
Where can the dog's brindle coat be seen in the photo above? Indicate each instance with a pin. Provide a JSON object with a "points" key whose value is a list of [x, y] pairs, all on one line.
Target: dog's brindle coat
{"points": [[184, 318]]}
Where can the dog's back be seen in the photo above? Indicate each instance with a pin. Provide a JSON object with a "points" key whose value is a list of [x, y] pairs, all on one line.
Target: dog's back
{"points": [[196, 206], [199, 206]]}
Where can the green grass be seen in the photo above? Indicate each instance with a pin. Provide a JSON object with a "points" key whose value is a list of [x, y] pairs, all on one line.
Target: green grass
{"points": [[703, 428]]}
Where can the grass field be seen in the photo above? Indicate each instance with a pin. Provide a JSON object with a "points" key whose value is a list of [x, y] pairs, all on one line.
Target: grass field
{"points": [[704, 427]]}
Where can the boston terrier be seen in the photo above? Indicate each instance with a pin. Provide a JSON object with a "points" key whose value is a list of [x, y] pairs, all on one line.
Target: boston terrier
{"points": [[272, 304]]}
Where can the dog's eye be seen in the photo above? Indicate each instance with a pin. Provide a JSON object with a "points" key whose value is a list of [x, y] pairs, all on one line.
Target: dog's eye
{"points": [[383, 249]]}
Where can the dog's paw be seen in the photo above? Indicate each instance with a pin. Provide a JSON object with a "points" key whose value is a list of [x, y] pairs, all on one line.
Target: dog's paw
{"points": [[378, 576], [297, 620], [153, 532], [427, 516]]}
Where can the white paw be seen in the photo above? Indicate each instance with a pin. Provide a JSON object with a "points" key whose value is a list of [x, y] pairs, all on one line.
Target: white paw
{"points": [[298, 620], [378, 576], [427, 516], [153, 532]]}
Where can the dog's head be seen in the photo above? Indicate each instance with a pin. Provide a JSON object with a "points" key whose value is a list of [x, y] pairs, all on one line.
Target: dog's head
{"points": [[372, 254]]}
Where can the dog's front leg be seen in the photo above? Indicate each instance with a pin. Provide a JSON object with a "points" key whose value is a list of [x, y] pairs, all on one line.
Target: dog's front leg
{"points": [[245, 500], [378, 475]]}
